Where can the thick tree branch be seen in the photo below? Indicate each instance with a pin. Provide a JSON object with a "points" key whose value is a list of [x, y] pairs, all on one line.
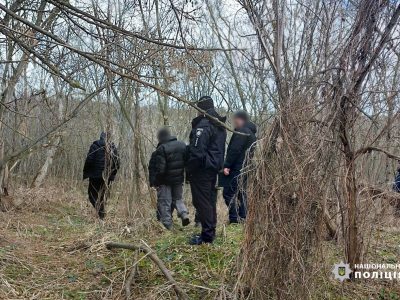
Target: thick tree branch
{"points": [[108, 25], [370, 149], [98, 61], [19, 153], [153, 256]]}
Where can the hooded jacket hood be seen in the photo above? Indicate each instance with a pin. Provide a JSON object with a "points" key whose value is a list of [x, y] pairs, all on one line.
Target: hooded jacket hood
{"points": [[102, 140], [167, 139], [251, 126], [97, 158], [167, 162]]}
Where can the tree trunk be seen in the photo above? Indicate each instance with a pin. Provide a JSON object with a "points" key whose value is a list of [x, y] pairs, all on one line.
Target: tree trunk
{"points": [[51, 152], [42, 173], [353, 253]]}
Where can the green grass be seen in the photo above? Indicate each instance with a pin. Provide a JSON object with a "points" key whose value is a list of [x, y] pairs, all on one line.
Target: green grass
{"points": [[35, 259], [204, 265]]}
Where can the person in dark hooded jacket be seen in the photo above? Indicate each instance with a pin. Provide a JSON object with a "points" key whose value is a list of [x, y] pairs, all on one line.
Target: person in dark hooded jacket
{"points": [[205, 159], [396, 188], [239, 146], [166, 173], [101, 166]]}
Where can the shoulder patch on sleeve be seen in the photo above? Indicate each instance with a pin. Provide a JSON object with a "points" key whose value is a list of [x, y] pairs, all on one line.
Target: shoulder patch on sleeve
{"points": [[199, 132]]}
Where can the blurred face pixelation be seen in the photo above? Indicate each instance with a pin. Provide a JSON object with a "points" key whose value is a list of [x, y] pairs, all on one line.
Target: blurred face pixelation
{"points": [[238, 122]]}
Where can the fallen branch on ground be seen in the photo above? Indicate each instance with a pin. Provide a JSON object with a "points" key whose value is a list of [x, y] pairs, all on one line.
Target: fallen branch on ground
{"points": [[330, 225], [131, 277], [160, 264]]}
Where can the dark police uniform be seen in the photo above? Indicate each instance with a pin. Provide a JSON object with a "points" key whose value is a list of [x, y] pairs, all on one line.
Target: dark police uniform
{"points": [[205, 158]]}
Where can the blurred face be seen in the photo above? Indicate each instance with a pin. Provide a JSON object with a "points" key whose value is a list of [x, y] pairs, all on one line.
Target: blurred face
{"points": [[238, 122], [106, 135]]}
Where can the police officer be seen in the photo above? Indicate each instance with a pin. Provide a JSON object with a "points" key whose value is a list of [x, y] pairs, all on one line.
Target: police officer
{"points": [[239, 144], [205, 158]]}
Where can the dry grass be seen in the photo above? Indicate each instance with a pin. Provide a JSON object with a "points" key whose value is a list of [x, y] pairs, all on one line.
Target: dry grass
{"points": [[52, 247]]}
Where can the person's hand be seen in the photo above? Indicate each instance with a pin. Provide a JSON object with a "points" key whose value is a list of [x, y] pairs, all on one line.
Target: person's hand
{"points": [[227, 171]]}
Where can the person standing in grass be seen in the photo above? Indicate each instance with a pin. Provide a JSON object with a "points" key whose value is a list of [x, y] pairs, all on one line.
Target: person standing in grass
{"points": [[166, 174], [205, 159], [101, 167], [241, 141], [396, 188]]}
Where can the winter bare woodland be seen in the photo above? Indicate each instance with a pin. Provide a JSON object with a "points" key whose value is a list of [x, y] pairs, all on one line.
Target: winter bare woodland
{"points": [[320, 78]]}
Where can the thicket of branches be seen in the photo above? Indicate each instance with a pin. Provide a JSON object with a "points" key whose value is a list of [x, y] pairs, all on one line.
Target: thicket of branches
{"points": [[70, 70], [320, 78], [331, 142]]}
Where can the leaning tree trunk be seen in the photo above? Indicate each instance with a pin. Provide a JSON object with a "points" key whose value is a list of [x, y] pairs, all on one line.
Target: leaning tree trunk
{"points": [[53, 147], [44, 170]]}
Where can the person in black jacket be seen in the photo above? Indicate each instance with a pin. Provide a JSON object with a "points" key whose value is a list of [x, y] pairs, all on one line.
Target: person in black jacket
{"points": [[101, 166], [166, 173], [238, 148], [396, 188], [205, 158]]}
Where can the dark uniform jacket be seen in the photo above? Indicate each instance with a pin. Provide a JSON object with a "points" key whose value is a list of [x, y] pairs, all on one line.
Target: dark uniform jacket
{"points": [[167, 163], [207, 144], [96, 160], [238, 146]]}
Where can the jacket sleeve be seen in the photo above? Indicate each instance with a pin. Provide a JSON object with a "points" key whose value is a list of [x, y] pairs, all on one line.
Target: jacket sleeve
{"points": [[161, 162], [90, 158], [152, 171], [198, 148], [236, 147]]}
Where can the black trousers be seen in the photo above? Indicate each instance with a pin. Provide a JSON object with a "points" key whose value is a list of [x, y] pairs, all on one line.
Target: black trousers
{"points": [[97, 195], [235, 199], [204, 197]]}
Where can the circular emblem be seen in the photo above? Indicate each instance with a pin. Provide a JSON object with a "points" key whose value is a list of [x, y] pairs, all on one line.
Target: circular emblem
{"points": [[199, 132], [341, 271]]}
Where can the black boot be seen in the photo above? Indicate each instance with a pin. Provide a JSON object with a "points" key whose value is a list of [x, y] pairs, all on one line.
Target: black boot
{"points": [[185, 220], [197, 240]]}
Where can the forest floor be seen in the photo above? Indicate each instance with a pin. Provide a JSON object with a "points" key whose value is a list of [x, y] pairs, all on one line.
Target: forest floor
{"points": [[52, 247]]}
